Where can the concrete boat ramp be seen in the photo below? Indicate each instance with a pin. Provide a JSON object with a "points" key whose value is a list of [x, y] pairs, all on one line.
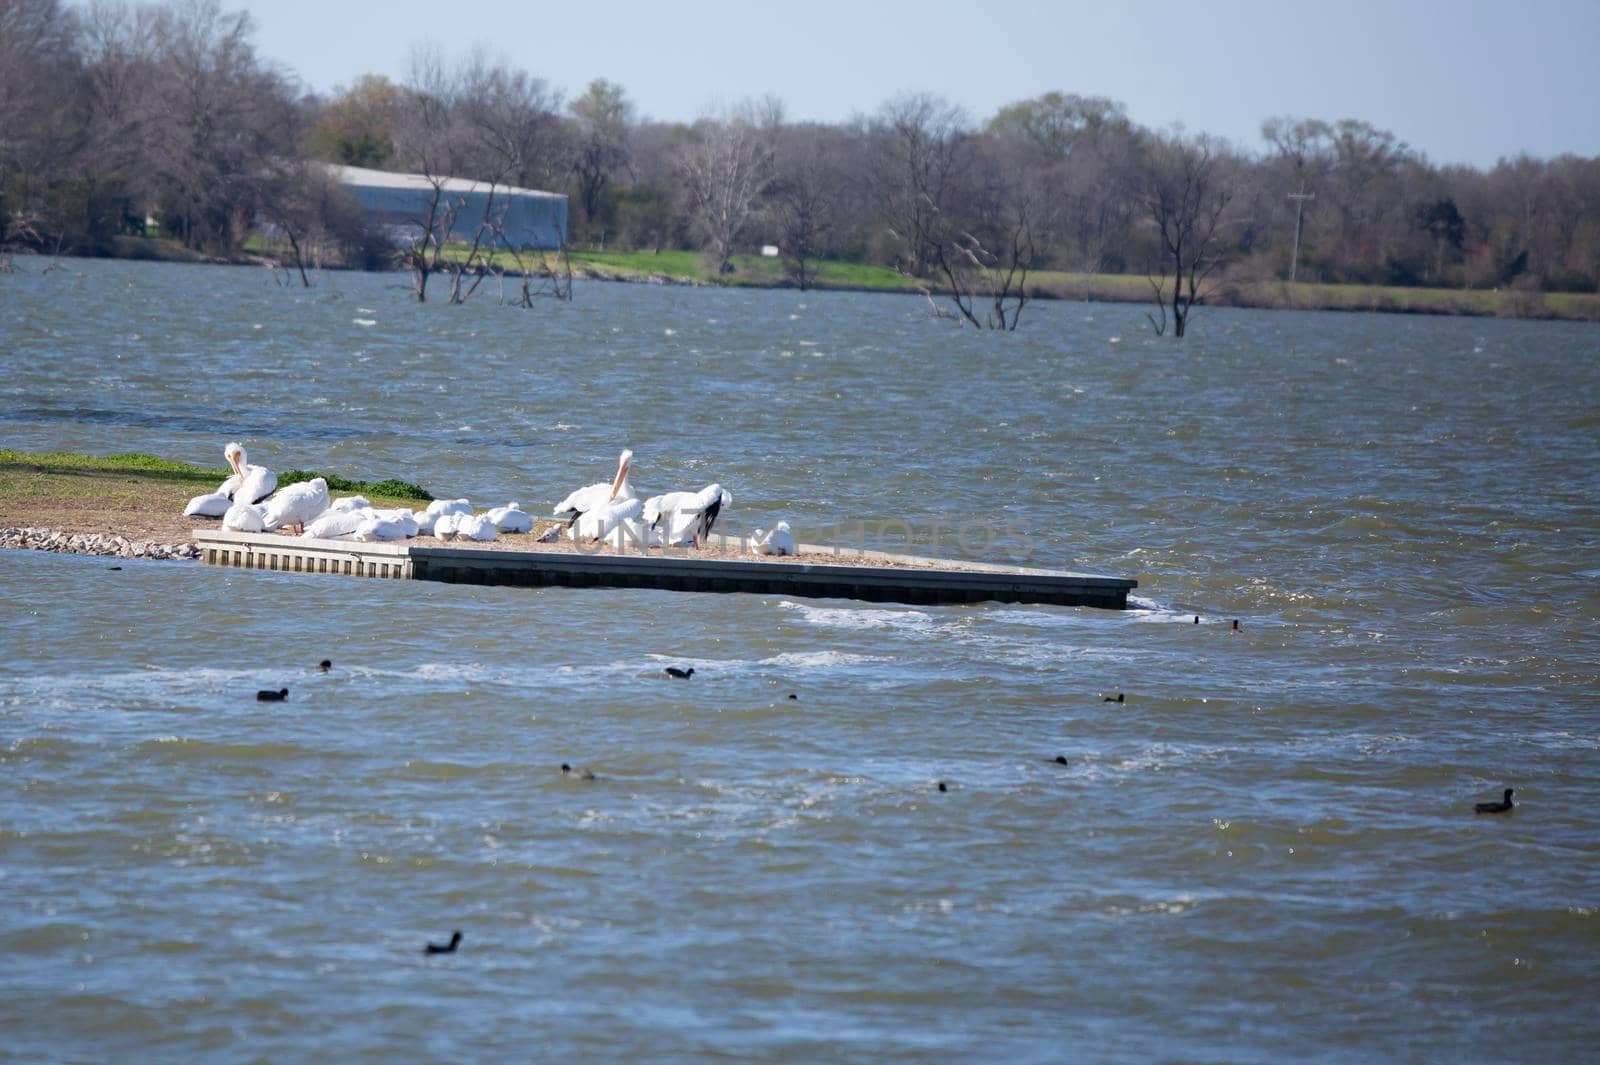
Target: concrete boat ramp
{"points": [[816, 572]]}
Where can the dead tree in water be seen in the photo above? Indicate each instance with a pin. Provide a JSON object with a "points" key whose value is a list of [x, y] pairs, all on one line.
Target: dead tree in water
{"points": [[1187, 186], [540, 278]]}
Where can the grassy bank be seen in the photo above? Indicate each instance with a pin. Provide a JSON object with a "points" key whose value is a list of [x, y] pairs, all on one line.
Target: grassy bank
{"points": [[35, 482], [685, 267]]}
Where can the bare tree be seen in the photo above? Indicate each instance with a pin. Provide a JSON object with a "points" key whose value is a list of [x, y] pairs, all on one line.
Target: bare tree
{"points": [[1187, 187], [1303, 148], [318, 218], [725, 164], [427, 141], [1007, 210], [38, 144], [216, 120], [470, 129], [968, 211], [510, 125], [801, 199], [921, 147]]}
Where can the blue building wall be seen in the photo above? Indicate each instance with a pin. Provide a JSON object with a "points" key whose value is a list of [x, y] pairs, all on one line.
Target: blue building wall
{"points": [[529, 219]]}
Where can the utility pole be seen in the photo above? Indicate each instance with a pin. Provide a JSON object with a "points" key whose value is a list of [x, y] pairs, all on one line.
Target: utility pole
{"points": [[1299, 199]]}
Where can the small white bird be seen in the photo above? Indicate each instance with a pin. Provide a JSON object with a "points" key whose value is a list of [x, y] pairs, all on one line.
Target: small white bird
{"points": [[597, 495], [297, 504], [780, 541], [249, 484]]}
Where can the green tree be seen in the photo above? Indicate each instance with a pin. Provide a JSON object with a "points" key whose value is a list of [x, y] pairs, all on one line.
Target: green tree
{"points": [[357, 126], [1057, 121], [604, 116]]}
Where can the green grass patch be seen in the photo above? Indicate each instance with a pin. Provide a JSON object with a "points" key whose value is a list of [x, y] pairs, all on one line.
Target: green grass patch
{"points": [[134, 462], [754, 271], [391, 488], [68, 475]]}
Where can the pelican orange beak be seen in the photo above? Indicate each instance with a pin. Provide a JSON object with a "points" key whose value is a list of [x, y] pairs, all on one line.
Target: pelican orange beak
{"points": [[622, 473]]}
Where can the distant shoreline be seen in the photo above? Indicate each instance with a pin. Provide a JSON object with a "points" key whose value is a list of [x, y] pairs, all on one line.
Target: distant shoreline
{"points": [[683, 269]]}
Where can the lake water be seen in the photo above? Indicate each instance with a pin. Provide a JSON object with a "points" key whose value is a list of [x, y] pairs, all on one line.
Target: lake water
{"points": [[1266, 853]]}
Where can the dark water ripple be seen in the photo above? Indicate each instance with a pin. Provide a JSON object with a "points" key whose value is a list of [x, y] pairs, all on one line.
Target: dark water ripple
{"points": [[1267, 853]]}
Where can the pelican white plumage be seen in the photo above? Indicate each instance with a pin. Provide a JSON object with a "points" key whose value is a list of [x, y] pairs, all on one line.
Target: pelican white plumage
{"points": [[384, 525], [476, 527], [336, 523], [245, 517], [598, 522], [210, 505], [404, 517], [686, 517], [450, 506], [780, 541], [297, 504], [444, 525], [248, 484], [427, 519], [593, 496], [511, 518], [350, 503]]}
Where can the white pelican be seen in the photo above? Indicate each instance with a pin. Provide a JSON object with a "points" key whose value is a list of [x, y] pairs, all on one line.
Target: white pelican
{"points": [[686, 517], [511, 518], [444, 525], [477, 527], [249, 484], [210, 505], [297, 504], [407, 523], [350, 503], [597, 523], [597, 495], [438, 509], [383, 525], [336, 523], [245, 517], [780, 541]]}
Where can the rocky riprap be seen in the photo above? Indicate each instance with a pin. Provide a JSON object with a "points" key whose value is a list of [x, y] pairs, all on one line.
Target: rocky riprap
{"points": [[94, 544]]}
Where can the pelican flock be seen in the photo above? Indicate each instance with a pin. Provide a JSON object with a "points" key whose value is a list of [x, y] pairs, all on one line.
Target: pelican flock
{"points": [[603, 512]]}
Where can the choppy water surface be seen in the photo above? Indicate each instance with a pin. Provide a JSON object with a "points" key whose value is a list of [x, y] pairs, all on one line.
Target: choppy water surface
{"points": [[1267, 853]]}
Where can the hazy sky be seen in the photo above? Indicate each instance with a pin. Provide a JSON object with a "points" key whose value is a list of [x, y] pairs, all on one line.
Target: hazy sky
{"points": [[1464, 81]]}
